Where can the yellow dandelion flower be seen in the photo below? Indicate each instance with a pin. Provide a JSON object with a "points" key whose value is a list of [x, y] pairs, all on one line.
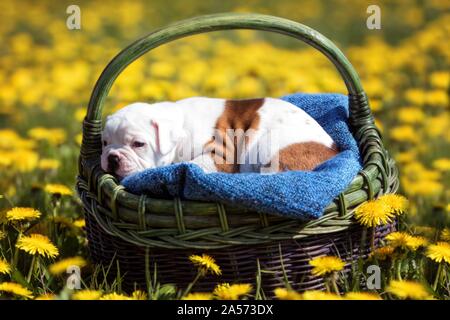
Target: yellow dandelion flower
{"points": [[397, 203], [440, 79], [139, 295], [16, 289], [58, 189], [55, 136], [62, 266], [87, 295], [79, 139], [373, 213], [79, 223], [325, 265], [382, 253], [320, 295], [48, 164], [199, 296], [405, 241], [5, 268], [284, 294], [37, 244], [405, 133], [445, 234], [115, 296], [47, 296], [442, 164], [439, 252], [408, 290], [362, 296], [205, 264], [225, 291], [19, 214]]}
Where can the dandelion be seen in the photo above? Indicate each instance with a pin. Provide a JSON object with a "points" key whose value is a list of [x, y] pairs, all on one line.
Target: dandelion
{"points": [[373, 213], [54, 136], [47, 296], [87, 295], [397, 203], [284, 294], [58, 189], [442, 164], [16, 289], [5, 268], [326, 265], [48, 164], [445, 234], [115, 296], [382, 253], [408, 290], [37, 244], [79, 223], [199, 296], [319, 295], [62, 266], [205, 264], [139, 295], [439, 252], [362, 296], [225, 291], [20, 213], [405, 241]]}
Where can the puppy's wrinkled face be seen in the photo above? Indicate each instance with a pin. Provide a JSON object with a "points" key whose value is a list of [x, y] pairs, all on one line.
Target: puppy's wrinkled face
{"points": [[128, 146]]}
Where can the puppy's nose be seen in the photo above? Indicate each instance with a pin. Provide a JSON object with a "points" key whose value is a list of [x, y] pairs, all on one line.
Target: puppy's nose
{"points": [[113, 162]]}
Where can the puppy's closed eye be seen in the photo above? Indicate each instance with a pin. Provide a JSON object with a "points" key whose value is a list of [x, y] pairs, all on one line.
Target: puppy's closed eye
{"points": [[138, 144]]}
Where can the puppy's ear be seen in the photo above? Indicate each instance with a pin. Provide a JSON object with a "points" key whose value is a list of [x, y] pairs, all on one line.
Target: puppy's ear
{"points": [[167, 135]]}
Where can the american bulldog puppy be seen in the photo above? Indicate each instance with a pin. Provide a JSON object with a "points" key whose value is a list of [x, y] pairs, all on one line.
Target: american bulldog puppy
{"points": [[265, 135]]}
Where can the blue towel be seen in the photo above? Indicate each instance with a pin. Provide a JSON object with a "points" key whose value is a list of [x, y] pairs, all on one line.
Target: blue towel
{"points": [[299, 194]]}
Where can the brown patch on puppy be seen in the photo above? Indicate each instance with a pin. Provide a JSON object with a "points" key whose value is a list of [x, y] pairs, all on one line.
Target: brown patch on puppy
{"points": [[303, 156], [237, 115]]}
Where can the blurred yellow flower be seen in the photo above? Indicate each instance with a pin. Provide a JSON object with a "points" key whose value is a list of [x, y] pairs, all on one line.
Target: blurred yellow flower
{"points": [[47, 296], [37, 244], [5, 268], [382, 253], [404, 134], [411, 115], [54, 136], [63, 265], [58, 189], [79, 223], [225, 291], [445, 234], [206, 264], [199, 296], [48, 164], [325, 265], [285, 294], [361, 296], [439, 252], [139, 295], [115, 296], [320, 295], [373, 213], [408, 290], [87, 295], [440, 79], [442, 164], [20, 214], [16, 289]]}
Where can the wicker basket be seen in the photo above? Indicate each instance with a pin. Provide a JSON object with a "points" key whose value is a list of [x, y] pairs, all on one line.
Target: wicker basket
{"points": [[140, 231]]}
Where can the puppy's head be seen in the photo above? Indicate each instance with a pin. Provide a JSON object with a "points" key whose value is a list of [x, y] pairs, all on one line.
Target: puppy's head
{"points": [[138, 137]]}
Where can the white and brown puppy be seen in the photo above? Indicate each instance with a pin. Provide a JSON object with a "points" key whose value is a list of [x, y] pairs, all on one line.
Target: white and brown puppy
{"points": [[252, 135]]}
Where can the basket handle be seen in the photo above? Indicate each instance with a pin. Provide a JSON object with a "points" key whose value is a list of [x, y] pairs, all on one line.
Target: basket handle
{"points": [[360, 116]]}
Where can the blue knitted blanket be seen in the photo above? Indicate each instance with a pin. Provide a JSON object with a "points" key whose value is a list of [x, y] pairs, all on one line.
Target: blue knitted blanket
{"points": [[299, 194]]}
